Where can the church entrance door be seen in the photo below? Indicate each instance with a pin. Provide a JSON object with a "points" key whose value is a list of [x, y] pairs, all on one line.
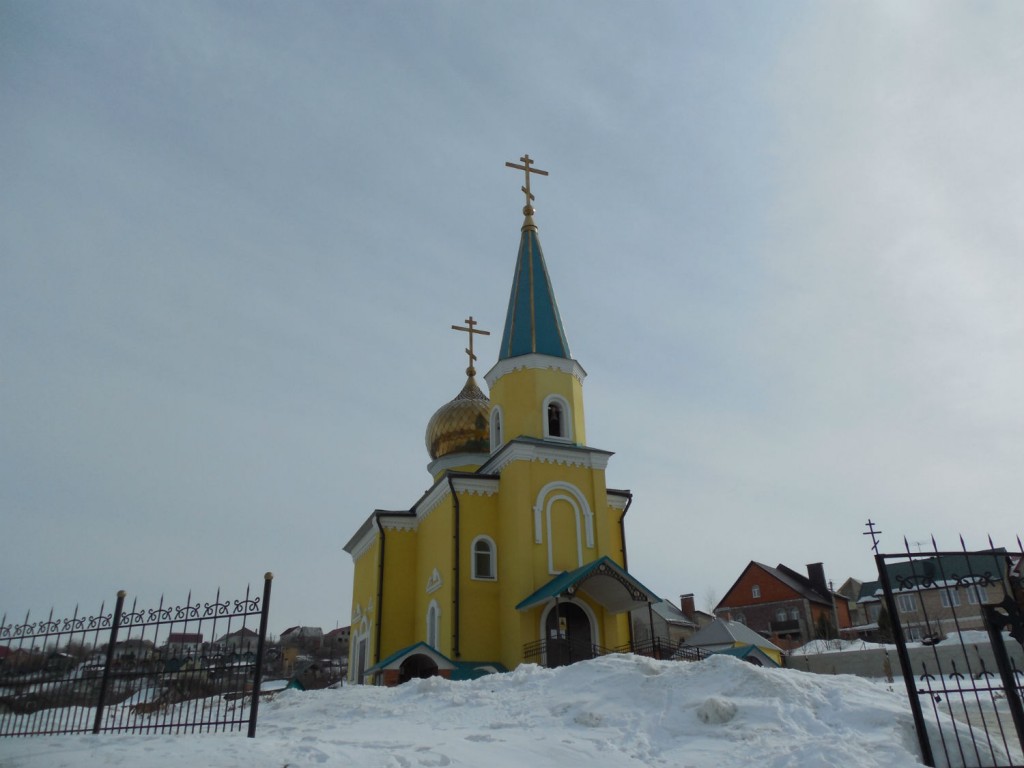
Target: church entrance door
{"points": [[569, 637]]}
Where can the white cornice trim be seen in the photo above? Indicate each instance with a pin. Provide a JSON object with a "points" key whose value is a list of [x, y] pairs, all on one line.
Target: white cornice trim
{"points": [[534, 361], [475, 486], [549, 454], [400, 523], [453, 460], [615, 501], [395, 523], [362, 546]]}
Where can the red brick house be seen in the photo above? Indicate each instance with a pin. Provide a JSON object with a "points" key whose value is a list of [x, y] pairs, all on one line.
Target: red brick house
{"points": [[784, 605]]}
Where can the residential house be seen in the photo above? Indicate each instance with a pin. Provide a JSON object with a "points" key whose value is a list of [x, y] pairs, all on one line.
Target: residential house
{"points": [[659, 628], [940, 594], [736, 639], [309, 639], [133, 649], [242, 640], [184, 644], [781, 604], [335, 643], [692, 614]]}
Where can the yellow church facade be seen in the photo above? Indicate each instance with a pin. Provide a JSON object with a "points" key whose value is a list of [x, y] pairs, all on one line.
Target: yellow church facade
{"points": [[517, 551]]}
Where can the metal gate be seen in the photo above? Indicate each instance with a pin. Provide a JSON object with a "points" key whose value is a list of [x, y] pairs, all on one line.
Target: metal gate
{"points": [[957, 618]]}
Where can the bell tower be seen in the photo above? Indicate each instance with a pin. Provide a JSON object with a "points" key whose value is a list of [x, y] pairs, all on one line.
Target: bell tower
{"points": [[536, 387]]}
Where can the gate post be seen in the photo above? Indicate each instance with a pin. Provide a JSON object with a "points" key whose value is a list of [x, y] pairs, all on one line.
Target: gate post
{"points": [[908, 672], [115, 625], [994, 623], [257, 678]]}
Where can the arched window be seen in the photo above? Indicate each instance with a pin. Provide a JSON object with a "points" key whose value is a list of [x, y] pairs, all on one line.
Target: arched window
{"points": [[433, 623], [485, 565], [780, 615], [556, 418], [496, 428], [794, 613]]}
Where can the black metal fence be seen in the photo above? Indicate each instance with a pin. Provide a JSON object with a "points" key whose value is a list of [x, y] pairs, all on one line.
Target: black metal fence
{"points": [[170, 669], [965, 713]]}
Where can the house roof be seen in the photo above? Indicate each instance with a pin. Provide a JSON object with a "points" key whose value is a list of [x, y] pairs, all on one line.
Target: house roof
{"points": [[869, 592], [303, 631], [797, 582], [722, 632], [671, 614], [185, 637], [243, 633], [603, 579]]}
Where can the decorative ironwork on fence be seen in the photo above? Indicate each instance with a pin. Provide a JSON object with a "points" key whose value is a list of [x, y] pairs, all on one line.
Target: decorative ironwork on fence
{"points": [[963, 710], [170, 669]]}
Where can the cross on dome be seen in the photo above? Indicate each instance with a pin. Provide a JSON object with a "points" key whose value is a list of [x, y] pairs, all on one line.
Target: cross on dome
{"points": [[470, 329]]}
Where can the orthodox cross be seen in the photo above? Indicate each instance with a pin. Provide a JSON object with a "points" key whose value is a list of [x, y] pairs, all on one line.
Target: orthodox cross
{"points": [[470, 322], [873, 534], [527, 162]]}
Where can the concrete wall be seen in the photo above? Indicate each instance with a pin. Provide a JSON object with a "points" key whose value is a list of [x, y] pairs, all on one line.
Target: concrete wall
{"points": [[871, 663]]}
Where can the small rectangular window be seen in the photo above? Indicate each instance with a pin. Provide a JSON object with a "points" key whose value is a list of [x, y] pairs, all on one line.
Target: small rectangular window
{"points": [[755, 592], [949, 597], [906, 603], [976, 594]]}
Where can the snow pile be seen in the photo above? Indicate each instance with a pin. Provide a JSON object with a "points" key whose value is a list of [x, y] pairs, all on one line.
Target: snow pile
{"points": [[614, 711]]}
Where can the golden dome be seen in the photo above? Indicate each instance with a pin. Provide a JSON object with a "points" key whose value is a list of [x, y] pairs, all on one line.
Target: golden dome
{"points": [[461, 425]]}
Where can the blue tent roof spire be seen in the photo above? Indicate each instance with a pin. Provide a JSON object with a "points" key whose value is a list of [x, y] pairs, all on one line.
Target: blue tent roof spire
{"points": [[532, 324]]}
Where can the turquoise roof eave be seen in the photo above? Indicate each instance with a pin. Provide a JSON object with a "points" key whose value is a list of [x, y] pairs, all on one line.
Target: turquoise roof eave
{"points": [[532, 323], [567, 582]]}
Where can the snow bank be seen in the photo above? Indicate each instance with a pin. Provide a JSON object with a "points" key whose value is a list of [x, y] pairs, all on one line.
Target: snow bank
{"points": [[614, 711]]}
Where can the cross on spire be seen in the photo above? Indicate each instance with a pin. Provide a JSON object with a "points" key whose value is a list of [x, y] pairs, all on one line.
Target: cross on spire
{"points": [[470, 329], [525, 167]]}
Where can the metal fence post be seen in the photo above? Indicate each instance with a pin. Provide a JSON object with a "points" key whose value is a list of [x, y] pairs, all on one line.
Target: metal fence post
{"points": [[257, 679], [115, 625]]}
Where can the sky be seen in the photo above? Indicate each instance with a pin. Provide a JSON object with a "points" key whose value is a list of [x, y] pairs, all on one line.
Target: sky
{"points": [[610, 712], [785, 240]]}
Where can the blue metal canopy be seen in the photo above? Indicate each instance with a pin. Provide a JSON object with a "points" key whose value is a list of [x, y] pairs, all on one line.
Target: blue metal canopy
{"points": [[603, 579]]}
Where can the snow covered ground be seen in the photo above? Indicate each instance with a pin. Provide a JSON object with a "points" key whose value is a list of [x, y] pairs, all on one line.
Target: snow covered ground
{"points": [[614, 711]]}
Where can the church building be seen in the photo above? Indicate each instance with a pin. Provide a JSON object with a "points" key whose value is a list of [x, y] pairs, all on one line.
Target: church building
{"points": [[517, 552]]}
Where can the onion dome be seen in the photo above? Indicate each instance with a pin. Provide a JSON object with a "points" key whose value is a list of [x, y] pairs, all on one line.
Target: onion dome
{"points": [[461, 425]]}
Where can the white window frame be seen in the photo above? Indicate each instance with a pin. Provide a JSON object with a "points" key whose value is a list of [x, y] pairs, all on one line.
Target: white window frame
{"points": [[906, 602], [949, 596], [497, 422], [977, 594], [433, 624], [566, 420], [494, 558], [755, 592]]}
